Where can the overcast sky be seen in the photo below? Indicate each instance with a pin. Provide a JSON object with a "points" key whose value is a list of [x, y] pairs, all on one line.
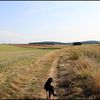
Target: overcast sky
{"points": [[63, 21]]}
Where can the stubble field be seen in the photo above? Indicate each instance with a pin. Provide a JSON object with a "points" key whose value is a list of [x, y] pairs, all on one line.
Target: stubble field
{"points": [[75, 69]]}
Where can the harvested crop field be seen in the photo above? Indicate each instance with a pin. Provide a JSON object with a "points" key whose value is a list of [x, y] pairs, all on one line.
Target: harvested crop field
{"points": [[75, 69], [22, 70]]}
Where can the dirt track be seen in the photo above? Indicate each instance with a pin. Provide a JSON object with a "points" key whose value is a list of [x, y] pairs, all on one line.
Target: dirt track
{"points": [[68, 84]]}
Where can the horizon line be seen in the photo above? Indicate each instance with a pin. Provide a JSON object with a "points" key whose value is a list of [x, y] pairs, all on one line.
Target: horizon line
{"points": [[49, 41]]}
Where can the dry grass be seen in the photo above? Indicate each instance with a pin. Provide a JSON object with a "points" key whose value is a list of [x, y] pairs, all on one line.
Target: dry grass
{"points": [[79, 67], [88, 62], [22, 71]]}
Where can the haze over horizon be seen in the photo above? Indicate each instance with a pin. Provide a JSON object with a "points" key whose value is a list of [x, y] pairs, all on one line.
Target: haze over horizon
{"points": [[61, 21]]}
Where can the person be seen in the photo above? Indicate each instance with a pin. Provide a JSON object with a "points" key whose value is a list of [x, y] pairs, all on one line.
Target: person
{"points": [[49, 88]]}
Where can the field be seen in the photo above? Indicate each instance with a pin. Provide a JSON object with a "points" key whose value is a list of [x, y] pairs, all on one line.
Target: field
{"points": [[20, 70], [40, 46], [25, 68]]}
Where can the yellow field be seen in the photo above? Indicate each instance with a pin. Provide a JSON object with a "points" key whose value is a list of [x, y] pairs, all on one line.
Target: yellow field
{"points": [[75, 69], [21, 71]]}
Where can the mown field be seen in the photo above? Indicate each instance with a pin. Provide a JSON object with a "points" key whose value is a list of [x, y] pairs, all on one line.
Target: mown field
{"points": [[22, 70]]}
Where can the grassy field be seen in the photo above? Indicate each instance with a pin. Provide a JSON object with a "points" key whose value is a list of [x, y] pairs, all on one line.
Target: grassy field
{"points": [[24, 69], [20, 70], [40, 46]]}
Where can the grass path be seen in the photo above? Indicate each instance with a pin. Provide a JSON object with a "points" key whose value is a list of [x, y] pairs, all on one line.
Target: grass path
{"points": [[72, 77], [75, 71], [52, 72], [63, 73]]}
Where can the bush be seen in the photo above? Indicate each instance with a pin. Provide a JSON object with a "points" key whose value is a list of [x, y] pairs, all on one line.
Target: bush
{"points": [[77, 43]]}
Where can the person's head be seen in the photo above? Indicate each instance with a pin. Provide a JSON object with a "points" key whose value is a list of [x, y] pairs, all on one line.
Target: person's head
{"points": [[50, 79]]}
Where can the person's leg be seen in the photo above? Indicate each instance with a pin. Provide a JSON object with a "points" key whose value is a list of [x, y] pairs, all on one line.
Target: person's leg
{"points": [[50, 94], [52, 90], [46, 95]]}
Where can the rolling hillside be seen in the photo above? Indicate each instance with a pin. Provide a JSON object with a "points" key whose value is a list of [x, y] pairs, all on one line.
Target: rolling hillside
{"points": [[62, 43]]}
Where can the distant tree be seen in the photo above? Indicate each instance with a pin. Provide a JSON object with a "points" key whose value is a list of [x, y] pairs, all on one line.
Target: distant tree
{"points": [[77, 43]]}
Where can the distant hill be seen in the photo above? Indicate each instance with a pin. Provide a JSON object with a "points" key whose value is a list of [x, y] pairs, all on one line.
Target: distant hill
{"points": [[62, 43], [91, 42], [49, 43]]}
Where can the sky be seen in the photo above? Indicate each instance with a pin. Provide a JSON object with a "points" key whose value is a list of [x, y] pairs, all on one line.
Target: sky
{"points": [[61, 21]]}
